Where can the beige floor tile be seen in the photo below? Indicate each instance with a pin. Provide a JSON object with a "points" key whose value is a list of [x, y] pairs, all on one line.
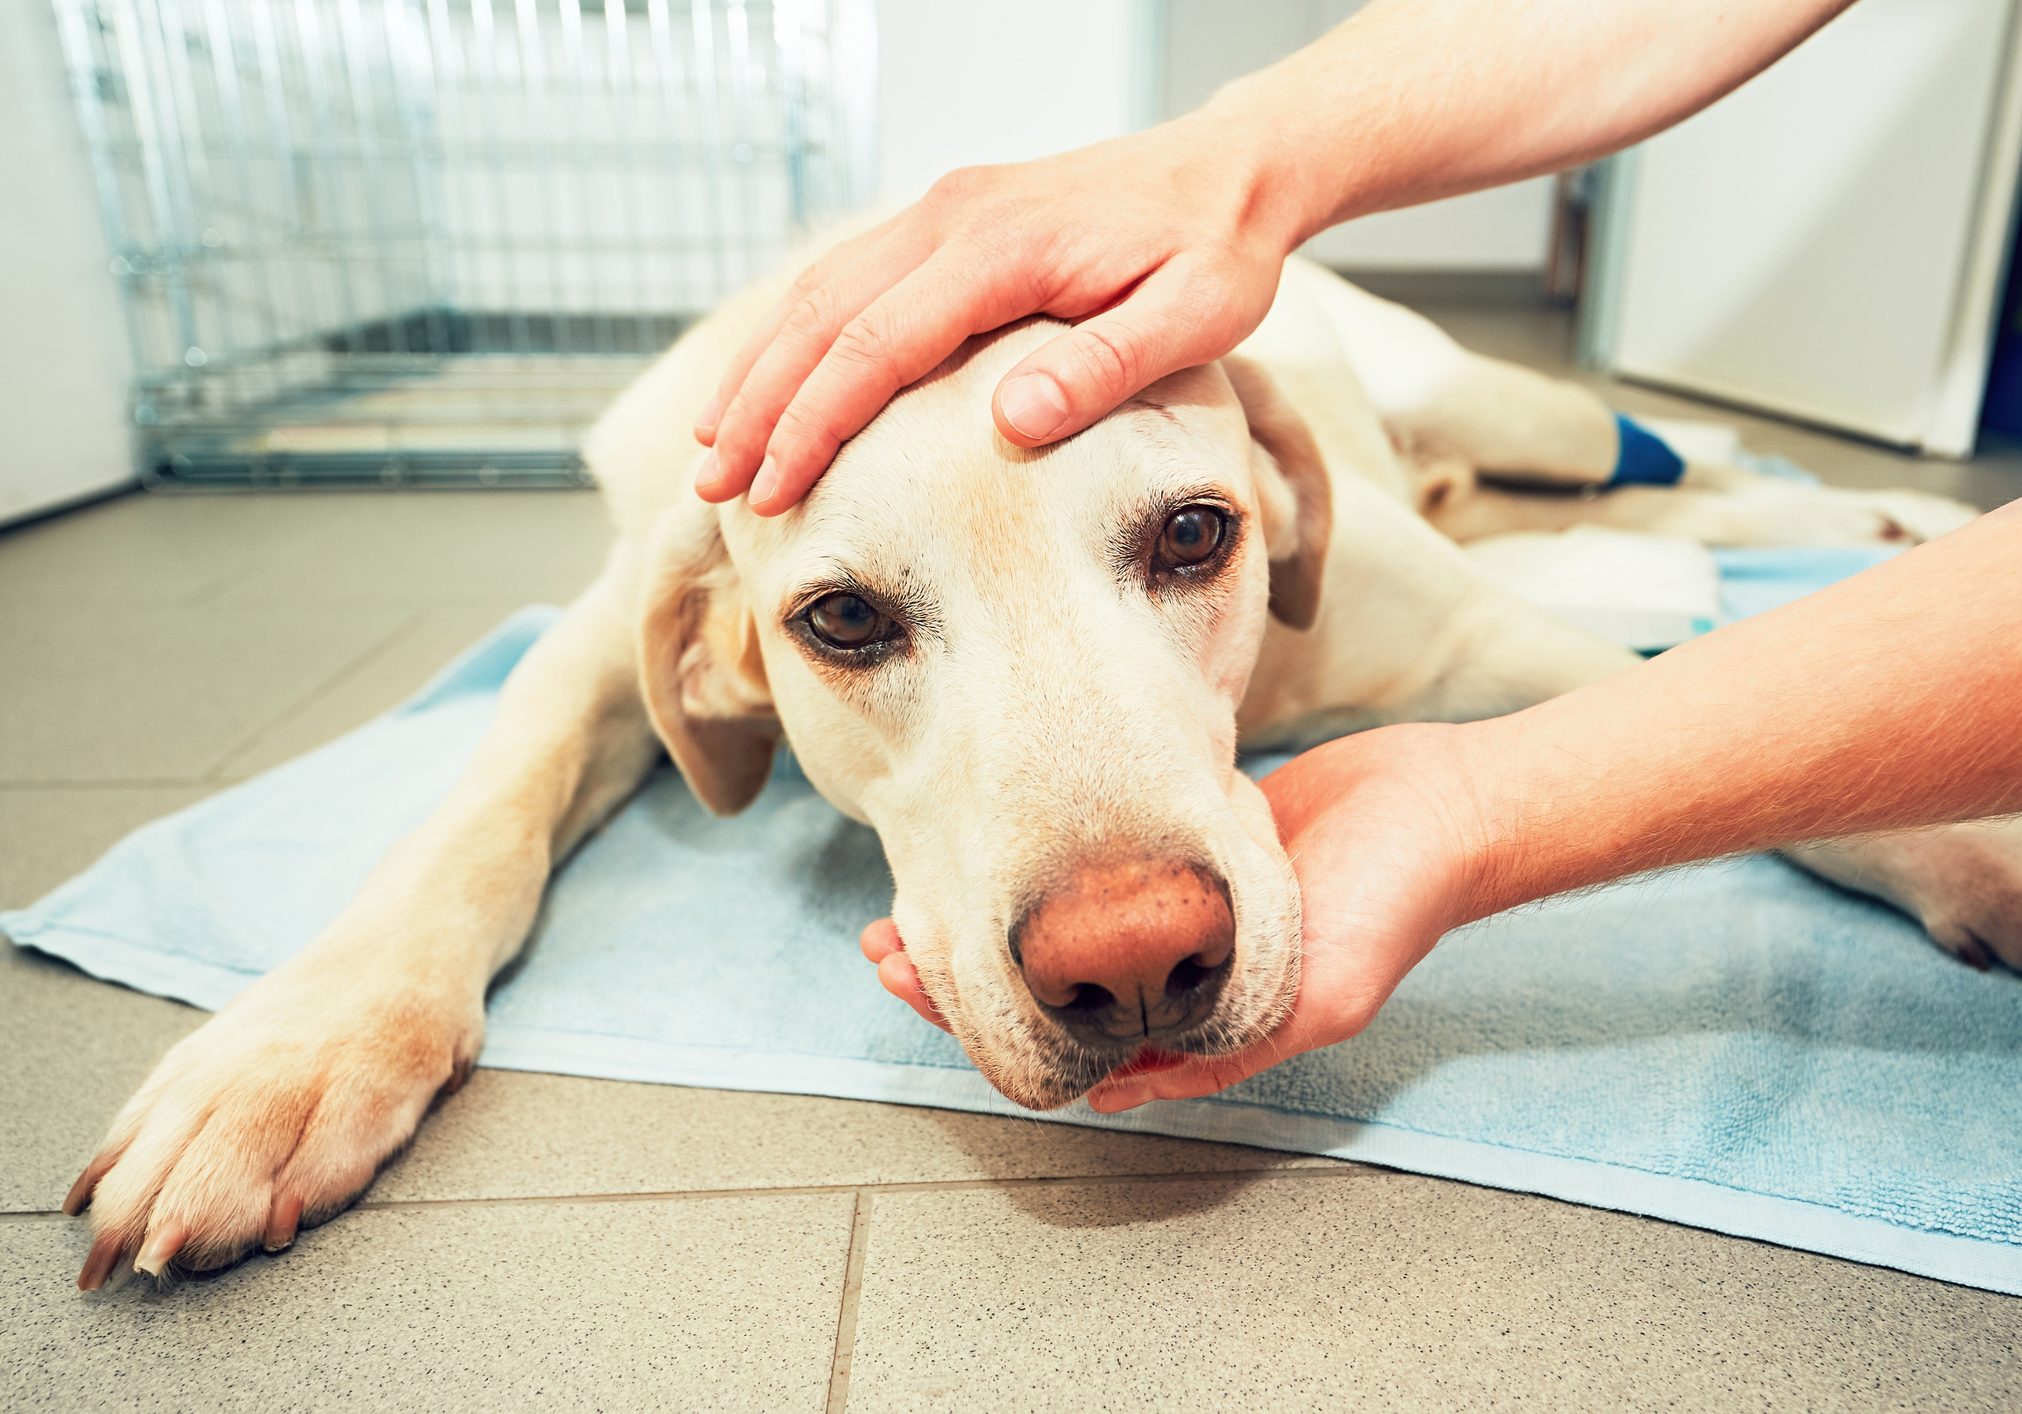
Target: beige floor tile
{"points": [[1391, 1292], [713, 1304], [382, 680], [76, 1049], [143, 549], [437, 548], [510, 1134], [145, 694], [48, 833]]}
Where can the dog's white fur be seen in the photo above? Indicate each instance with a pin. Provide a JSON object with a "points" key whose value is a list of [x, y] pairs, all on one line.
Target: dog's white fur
{"points": [[1055, 701]]}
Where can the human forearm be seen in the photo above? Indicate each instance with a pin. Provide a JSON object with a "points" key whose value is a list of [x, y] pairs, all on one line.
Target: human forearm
{"points": [[1891, 700], [1412, 100]]}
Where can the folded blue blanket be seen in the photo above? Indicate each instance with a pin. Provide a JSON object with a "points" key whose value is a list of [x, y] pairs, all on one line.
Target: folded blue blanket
{"points": [[1738, 1046]]}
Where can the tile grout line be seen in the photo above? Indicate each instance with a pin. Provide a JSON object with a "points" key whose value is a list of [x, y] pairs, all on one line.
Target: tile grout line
{"points": [[846, 1317], [1346, 1171], [206, 595], [218, 772]]}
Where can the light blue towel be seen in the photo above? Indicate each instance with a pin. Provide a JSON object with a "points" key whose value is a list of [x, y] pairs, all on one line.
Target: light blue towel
{"points": [[1737, 1047]]}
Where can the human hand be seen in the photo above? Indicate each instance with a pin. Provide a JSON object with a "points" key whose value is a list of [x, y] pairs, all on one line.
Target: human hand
{"points": [[1166, 245], [1385, 833]]}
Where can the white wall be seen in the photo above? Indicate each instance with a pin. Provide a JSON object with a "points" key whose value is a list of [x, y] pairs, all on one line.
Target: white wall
{"points": [[63, 359], [962, 83], [1209, 42]]}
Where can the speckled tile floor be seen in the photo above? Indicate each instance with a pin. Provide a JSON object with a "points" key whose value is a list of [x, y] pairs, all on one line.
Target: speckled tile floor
{"points": [[561, 1243]]}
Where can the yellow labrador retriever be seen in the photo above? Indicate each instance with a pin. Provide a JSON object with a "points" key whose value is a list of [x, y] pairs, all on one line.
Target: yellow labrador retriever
{"points": [[1030, 672]]}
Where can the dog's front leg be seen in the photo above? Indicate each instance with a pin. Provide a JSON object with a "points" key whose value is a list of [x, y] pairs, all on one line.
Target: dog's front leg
{"points": [[278, 1111]]}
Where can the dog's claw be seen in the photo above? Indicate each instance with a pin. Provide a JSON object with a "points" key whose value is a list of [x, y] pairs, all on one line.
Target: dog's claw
{"points": [[283, 1222], [79, 1197], [105, 1255], [160, 1249]]}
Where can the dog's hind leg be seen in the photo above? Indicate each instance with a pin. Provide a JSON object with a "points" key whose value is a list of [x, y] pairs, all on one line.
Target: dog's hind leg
{"points": [[278, 1111], [1445, 405], [1495, 447], [1760, 511]]}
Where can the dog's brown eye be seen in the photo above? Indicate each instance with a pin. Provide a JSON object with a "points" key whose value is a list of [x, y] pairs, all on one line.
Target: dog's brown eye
{"points": [[848, 621], [1191, 536]]}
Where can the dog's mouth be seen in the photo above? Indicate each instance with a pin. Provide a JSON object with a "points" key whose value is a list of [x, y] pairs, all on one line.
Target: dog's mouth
{"points": [[1146, 1060], [1074, 1071]]}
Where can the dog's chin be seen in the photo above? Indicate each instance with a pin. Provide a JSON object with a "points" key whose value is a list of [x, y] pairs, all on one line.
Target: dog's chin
{"points": [[1075, 1069], [1049, 1087]]}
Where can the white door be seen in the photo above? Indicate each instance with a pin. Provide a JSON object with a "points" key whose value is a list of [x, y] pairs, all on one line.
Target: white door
{"points": [[63, 355], [1827, 242]]}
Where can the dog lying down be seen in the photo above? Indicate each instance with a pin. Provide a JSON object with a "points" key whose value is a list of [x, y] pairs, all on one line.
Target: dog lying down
{"points": [[1029, 671]]}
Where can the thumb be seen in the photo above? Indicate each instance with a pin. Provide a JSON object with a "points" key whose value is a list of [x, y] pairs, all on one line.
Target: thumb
{"points": [[1086, 372]]}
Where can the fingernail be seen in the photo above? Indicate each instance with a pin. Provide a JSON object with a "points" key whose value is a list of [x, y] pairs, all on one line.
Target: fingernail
{"points": [[706, 423], [705, 471], [767, 480], [1034, 405]]}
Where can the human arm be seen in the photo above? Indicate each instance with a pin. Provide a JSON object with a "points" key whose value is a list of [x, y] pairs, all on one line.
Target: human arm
{"points": [[1165, 245]]}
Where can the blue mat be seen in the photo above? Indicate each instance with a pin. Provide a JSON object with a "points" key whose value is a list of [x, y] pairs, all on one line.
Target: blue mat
{"points": [[1737, 1047]]}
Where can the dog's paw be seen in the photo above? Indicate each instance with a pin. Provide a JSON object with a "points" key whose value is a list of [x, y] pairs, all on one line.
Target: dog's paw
{"points": [[1911, 516], [1962, 882], [273, 1115], [1779, 513]]}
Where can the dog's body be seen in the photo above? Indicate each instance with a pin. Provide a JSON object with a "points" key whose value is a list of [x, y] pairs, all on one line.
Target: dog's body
{"points": [[1029, 671]]}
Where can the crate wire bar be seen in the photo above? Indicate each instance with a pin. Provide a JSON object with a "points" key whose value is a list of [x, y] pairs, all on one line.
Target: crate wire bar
{"points": [[424, 241]]}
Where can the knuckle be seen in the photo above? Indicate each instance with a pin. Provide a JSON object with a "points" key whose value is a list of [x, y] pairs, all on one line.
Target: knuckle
{"points": [[866, 341], [956, 184], [813, 312], [803, 284], [803, 435], [1105, 361]]}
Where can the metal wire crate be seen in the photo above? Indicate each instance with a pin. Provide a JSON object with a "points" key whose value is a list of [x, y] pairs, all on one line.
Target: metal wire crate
{"points": [[426, 240]]}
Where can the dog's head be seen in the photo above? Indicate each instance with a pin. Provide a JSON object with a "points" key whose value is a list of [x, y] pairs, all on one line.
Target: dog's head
{"points": [[1023, 669]]}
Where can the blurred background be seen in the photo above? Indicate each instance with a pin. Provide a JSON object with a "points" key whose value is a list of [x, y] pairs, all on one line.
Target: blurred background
{"points": [[400, 242]]}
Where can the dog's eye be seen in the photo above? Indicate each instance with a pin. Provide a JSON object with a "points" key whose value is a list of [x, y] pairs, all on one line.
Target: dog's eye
{"points": [[1191, 536], [847, 621]]}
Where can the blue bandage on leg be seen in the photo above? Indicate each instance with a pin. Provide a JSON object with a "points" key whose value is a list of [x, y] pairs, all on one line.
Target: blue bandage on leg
{"points": [[1645, 459]]}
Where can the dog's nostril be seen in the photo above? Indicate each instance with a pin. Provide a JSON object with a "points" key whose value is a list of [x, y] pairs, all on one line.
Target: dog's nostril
{"points": [[1089, 999], [1190, 972]]}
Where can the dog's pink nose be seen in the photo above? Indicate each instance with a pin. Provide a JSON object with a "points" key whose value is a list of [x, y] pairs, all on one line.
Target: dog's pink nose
{"points": [[1128, 951]]}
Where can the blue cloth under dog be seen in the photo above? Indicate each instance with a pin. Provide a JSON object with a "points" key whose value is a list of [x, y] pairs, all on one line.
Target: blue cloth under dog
{"points": [[1737, 1047]]}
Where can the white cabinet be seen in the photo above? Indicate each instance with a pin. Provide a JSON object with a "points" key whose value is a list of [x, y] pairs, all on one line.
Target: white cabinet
{"points": [[1828, 241], [63, 353]]}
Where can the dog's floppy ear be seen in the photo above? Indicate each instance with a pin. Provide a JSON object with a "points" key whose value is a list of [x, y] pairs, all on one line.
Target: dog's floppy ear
{"points": [[1296, 502], [699, 665]]}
